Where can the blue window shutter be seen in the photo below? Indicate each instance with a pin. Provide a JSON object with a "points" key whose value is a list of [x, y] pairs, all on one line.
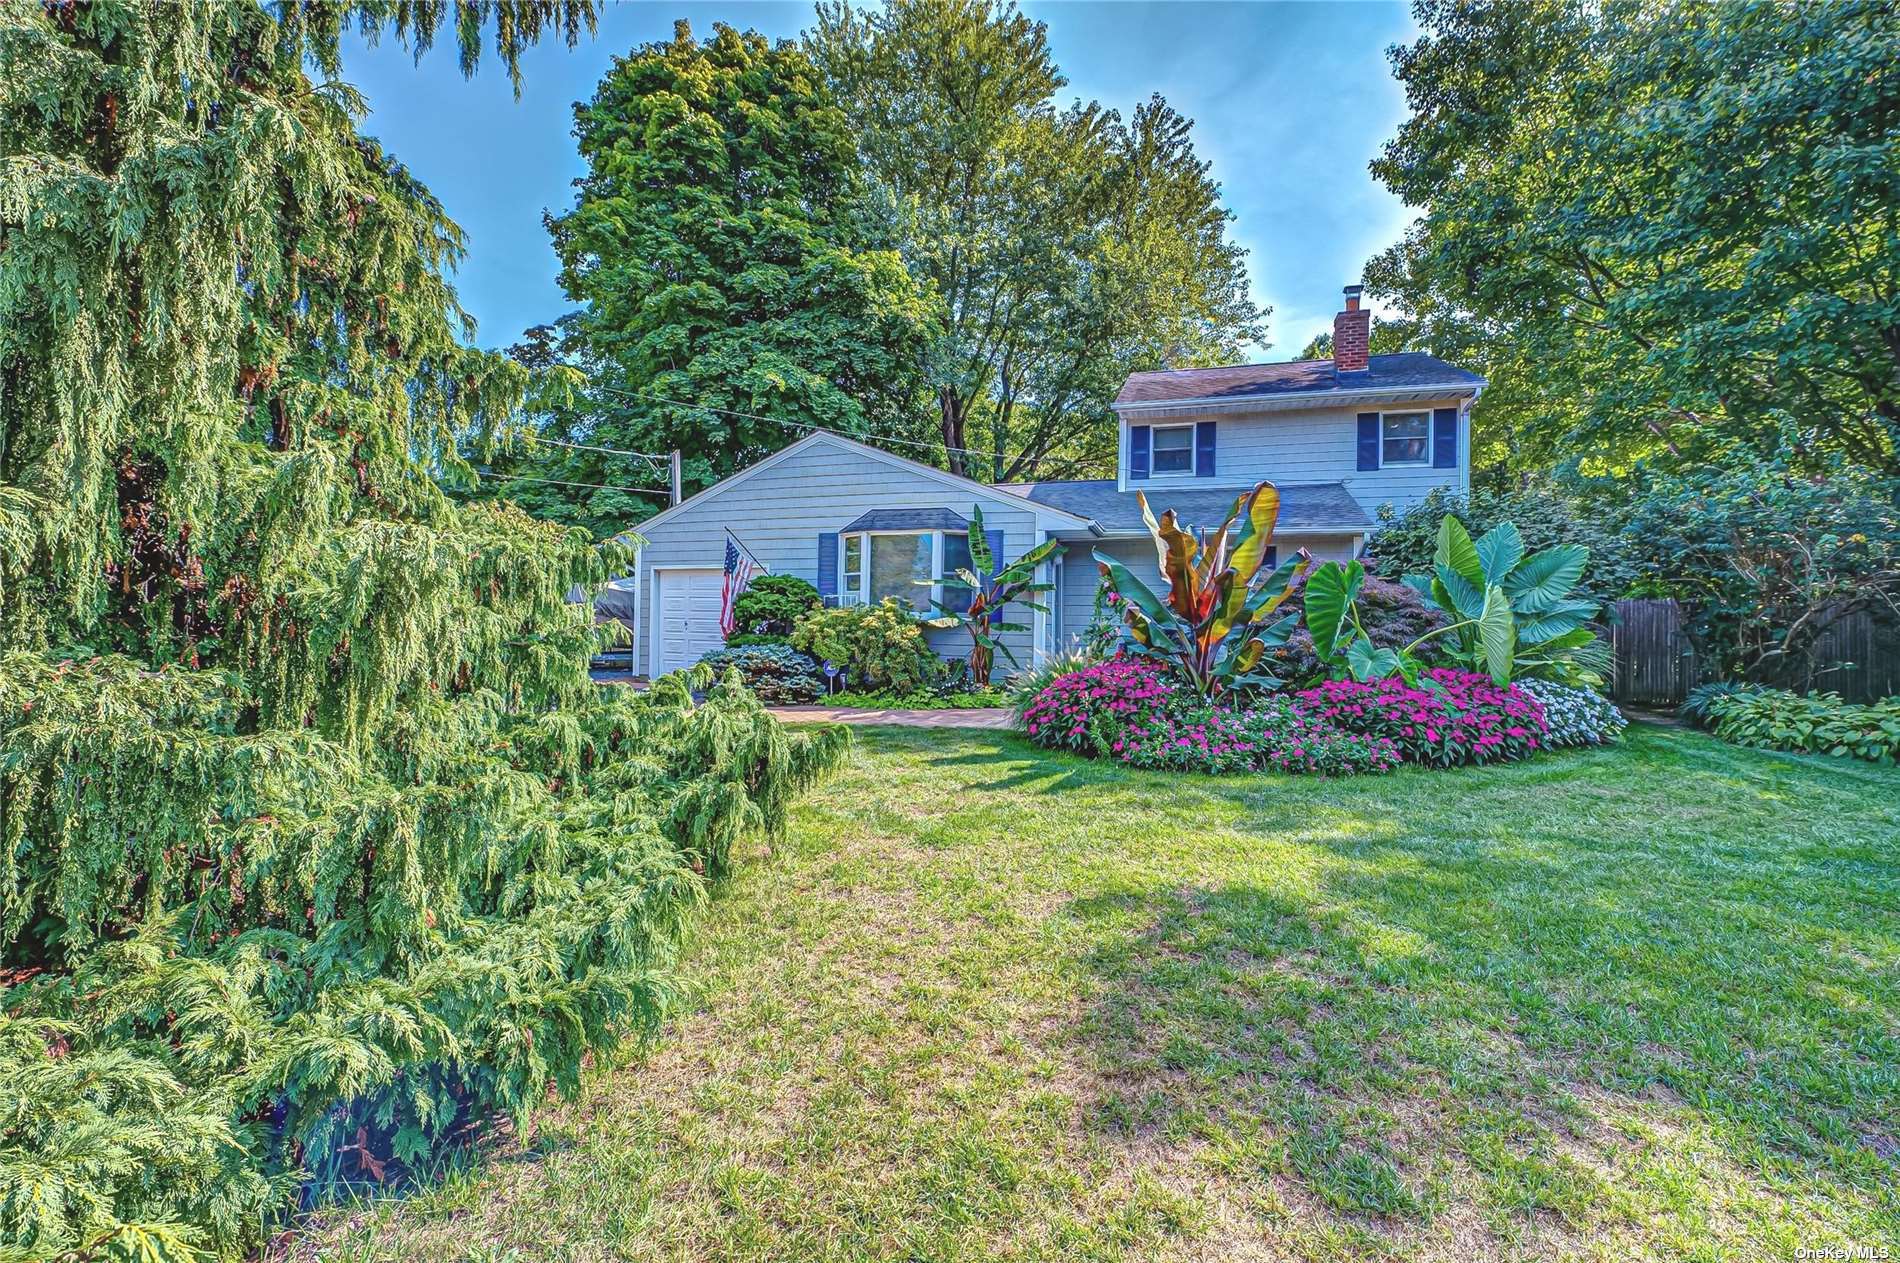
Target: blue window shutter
{"points": [[1203, 449], [1368, 440], [828, 566], [1138, 451], [1444, 438], [995, 541]]}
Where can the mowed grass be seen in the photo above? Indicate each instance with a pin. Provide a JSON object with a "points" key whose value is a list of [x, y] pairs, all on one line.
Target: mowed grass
{"points": [[985, 1002]]}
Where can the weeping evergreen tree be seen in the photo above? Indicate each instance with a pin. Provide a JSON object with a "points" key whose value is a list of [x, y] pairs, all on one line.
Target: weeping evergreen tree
{"points": [[317, 846]]}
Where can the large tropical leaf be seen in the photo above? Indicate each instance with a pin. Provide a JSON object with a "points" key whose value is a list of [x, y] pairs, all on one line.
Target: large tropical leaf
{"points": [[1545, 578], [1369, 663], [1256, 536], [1133, 590], [1462, 599], [980, 556], [1497, 634], [1178, 550], [1456, 550], [1330, 592], [1499, 551]]}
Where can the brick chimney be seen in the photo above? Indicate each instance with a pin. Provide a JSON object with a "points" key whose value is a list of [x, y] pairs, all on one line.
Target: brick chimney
{"points": [[1352, 329]]}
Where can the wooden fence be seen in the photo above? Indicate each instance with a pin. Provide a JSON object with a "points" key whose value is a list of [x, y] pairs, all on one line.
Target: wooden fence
{"points": [[1657, 666]]}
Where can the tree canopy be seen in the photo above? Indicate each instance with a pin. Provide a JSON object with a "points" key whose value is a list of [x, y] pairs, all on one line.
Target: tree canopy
{"points": [[1659, 231], [1068, 246], [726, 262]]}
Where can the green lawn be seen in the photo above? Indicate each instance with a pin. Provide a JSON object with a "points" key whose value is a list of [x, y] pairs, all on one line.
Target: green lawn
{"points": [[986, 1002]]}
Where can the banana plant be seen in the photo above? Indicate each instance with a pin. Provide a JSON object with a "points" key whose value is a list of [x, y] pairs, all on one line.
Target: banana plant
{"points": [[1011, 584], [1542, 631], [1216, 622], [1340, 640]]}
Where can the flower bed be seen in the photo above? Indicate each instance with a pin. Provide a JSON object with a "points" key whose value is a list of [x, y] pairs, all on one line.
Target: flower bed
{"points": [[1130, 710]]}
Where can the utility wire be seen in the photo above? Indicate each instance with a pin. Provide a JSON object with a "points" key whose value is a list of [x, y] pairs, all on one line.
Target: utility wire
{"points": [[598, 486]]}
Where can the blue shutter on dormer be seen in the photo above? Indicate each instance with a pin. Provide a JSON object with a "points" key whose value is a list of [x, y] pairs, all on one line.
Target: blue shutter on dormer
{"points": [[1138, 451], [1444, 438], [1368, 440], [1203, 449], [995, 541], [828, 567]]}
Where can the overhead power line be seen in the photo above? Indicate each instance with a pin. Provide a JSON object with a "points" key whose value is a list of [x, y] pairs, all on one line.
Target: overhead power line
{"points": [[598, 486]]}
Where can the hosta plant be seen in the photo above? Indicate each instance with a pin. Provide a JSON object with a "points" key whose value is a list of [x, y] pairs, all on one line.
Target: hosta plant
{"points": [[1514, 616], [989, 595], [1216, 621], [1814, 723]]}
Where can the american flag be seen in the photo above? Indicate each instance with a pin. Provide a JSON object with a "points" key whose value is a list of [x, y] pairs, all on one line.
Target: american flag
{"points": [[740, 569]]}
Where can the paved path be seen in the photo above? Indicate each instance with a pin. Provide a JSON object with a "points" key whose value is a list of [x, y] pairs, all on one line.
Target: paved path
{"points": [[995, 717]]}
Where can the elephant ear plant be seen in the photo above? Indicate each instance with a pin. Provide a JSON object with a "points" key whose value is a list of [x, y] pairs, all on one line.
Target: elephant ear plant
{"points": [[990, 593], [1341, 642], [1514, 615], [1215, 624]]}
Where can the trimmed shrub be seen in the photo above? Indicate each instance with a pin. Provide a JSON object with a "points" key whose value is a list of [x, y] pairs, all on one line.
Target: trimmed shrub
{"points": [[748, 640], [1465, 719], [879, 648], [1810, 723], [778, 675], [771, 605], [1573, 716]]}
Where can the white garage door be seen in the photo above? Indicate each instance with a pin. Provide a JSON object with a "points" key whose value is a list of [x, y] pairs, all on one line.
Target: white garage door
{"points": [[686, 616]]}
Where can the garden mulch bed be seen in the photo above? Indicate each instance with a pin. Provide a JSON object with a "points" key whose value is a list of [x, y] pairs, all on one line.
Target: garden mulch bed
{"points": [[995, 717]]}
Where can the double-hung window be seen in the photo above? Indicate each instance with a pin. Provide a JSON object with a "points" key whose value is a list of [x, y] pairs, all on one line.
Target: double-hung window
{"points": [[907, 565], [1405, 438], [1172, 448]]}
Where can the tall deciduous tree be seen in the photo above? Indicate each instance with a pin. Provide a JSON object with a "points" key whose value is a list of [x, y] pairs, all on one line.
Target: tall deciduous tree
{"points": [[1070, 247], [1659, 230], [725, 256]]}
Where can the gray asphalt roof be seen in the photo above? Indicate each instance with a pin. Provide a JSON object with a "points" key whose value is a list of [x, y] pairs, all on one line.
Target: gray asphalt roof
{"points": [[1409, 370], [907, 520], [1303, 506]]}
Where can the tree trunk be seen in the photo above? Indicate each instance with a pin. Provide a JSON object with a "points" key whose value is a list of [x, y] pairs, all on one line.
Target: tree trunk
{"points": [[950, 408]]}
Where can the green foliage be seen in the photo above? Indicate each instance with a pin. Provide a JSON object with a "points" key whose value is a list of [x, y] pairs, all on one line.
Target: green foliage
{"points": [[1388, 615], [778, 675], [1814, 723], [771, 604], [1335, 606], [1069, 246], [722, 253], [1513, 613], [1213, 626], [1575, 716], [319, 844], [1698, 707], [877, 648], [1763, 559], [937, 698], [1659, 230], [1546, 513], [992, 587]]}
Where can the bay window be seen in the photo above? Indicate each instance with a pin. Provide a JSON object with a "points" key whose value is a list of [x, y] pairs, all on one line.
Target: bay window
{"points": [[907, 565]]}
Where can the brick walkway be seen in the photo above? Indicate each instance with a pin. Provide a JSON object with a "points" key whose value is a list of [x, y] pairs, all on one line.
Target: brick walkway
{"points": [[991, 718]]}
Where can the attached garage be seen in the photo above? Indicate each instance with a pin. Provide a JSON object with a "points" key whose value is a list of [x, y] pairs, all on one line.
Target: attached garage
{"points": [[685, 616]]}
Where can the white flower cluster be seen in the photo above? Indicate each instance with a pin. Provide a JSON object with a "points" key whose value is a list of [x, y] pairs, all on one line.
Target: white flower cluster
{"points": [[1577, 717]]}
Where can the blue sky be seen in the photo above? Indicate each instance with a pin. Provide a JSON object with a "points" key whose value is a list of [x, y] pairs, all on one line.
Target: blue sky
{"points": [[1290, 101]]}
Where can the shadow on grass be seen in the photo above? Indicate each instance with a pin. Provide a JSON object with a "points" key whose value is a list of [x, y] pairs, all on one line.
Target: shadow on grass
{"points": [[1513, 980]]}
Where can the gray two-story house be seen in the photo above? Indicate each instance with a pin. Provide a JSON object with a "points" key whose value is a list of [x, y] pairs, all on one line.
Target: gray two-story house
{"points": [[1339, 437]]}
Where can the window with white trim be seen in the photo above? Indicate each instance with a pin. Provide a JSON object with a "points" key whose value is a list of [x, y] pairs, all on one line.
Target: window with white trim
{"points": [[1171, 449], [1405, 438], [907, 565]]}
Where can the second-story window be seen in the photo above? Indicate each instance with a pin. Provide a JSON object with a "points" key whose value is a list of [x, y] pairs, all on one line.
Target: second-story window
{"points": [[1173, 449], [1406, 438]]}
